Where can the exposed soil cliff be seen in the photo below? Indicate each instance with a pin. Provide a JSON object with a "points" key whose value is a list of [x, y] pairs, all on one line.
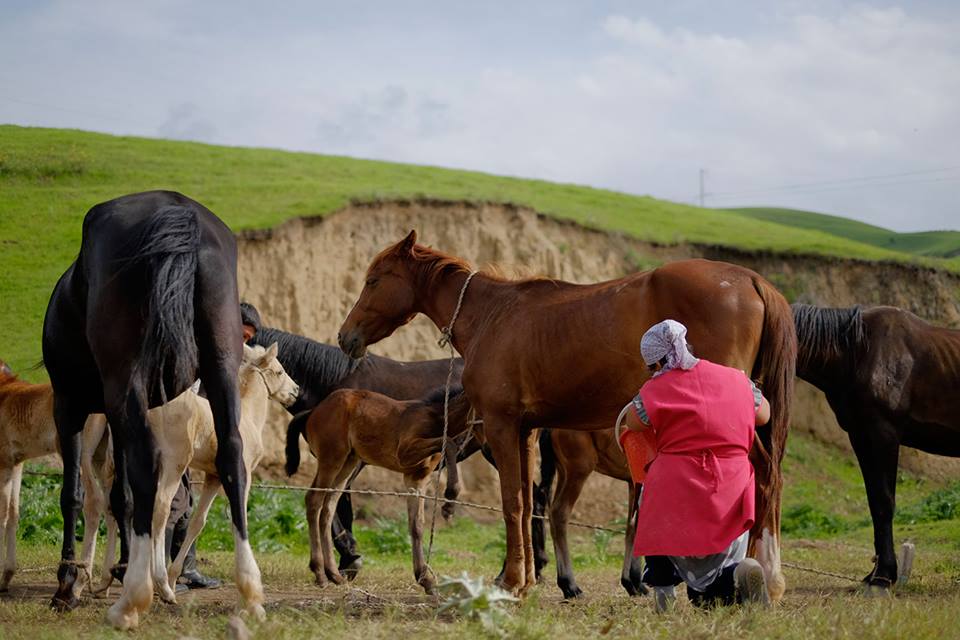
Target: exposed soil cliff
{"points": [[305, 274]]}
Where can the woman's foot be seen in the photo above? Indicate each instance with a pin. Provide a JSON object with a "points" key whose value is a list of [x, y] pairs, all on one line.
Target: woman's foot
{"points": [[751, 583]]}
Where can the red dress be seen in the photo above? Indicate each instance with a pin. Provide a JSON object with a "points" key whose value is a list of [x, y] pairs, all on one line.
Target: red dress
{"points": [[698, 496]]}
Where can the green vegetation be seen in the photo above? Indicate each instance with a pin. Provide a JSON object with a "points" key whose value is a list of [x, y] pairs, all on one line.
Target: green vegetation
{"points": [[942, 244], [49, 178], [828, 530]]}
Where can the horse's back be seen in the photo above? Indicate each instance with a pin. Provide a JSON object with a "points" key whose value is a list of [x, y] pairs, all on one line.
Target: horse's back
{"points": [[909, 364]]}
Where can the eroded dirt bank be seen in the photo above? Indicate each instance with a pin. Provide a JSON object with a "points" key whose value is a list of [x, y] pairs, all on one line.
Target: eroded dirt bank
{"points": [[305, 274]]}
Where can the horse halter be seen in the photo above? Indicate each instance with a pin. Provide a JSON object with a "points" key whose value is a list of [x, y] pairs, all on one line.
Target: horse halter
{"points": [[266, 383]]}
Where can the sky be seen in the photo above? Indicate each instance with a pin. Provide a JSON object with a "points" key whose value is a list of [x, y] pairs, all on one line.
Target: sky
{"points": [[839, 107]]}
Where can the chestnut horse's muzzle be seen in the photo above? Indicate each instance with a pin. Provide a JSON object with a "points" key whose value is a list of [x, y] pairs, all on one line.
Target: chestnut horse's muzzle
{"points": [[352, 344]]}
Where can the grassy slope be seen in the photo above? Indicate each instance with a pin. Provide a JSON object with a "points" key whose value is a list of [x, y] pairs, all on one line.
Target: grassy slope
{"points": [[925, 243], [49, 178]]}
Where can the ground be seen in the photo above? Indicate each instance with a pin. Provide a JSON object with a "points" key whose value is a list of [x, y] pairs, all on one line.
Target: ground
{"points": [[384, 602]]}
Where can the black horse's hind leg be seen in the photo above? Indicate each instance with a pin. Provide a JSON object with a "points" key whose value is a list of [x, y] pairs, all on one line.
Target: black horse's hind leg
{"points": [[878, 449], [126, 412], [343, 540], [118, 503], [69, 419]]}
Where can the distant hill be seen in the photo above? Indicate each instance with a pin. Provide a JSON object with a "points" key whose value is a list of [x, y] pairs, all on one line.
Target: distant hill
{"points": [[49, 178], [941, 244]]}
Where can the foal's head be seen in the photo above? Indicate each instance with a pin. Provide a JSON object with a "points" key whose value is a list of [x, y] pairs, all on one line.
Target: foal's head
{"points": [[263, 362], [390, 294]]}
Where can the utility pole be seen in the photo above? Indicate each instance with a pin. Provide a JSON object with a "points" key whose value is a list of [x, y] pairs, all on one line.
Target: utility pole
{"points": [[703, 175]]}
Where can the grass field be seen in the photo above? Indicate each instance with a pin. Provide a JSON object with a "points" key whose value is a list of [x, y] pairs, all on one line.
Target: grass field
{"points": [[49, 178], [943, 244], [825, 527]]}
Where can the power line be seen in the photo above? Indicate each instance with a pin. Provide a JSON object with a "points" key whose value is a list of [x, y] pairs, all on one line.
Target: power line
{"points": [[867, 180], [728, 195]]}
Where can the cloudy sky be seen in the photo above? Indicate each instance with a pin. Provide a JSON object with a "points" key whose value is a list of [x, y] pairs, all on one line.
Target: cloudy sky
{"points": [[848, 108]]}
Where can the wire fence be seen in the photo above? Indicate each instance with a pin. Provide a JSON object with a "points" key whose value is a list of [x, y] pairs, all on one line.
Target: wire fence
{"points": [[472, 505]]}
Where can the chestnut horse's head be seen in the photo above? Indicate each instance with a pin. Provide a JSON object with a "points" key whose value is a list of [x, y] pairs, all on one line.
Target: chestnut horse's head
{"points": [[388, 299]]}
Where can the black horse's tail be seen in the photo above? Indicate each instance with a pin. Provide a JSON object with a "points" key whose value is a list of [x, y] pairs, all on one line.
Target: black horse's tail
{"points": [[168, 250], [294, 430]]}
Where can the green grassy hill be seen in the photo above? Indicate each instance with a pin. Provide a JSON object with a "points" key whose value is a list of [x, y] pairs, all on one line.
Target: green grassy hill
{"points": [[49, 178], [943, 244]]}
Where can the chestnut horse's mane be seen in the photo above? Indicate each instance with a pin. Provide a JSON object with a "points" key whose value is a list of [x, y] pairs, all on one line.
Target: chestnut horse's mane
{"points": [[431, 264]]}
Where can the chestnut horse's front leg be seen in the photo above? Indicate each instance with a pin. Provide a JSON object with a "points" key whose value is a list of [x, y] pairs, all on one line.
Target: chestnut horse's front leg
{"points": [[503, 437], [527, 463]]}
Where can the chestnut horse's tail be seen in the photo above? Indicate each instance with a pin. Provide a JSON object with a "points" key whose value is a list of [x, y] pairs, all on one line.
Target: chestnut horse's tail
{"points": [[295, 429], [775, 368]]}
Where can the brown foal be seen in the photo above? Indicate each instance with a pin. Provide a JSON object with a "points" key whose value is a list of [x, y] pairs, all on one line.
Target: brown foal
{"points": [[543, 352], [352, 426]]}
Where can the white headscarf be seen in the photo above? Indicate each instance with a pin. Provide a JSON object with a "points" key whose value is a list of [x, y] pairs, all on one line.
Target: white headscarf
{"points": [[667, 339]]}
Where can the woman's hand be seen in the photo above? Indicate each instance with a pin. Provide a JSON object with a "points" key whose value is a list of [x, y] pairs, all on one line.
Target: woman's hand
{"points": [[633, 421]]}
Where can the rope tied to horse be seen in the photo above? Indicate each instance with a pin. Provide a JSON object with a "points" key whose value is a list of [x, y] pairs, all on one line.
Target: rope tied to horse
{"points": [[446, 340]]}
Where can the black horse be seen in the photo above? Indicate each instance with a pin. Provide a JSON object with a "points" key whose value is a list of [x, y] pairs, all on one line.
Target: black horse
{"points": [[321, 369], [891, 380], [149, 304]]}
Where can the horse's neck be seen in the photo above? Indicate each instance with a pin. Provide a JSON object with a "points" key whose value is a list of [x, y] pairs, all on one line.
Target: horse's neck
{"points": [[480, 302], [253, 397]]}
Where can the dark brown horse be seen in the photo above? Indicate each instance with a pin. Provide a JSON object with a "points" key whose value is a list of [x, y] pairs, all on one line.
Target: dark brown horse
{"points": [[542, 352], [149, 304], [575, 455], [892, 380]]}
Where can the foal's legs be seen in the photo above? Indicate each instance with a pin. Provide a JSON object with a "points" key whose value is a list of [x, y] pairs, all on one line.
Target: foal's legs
{"points": [[167, 486], [422, 573], [9, 518], [327, 510], [211, 485], [94, 500], [69, 417]]}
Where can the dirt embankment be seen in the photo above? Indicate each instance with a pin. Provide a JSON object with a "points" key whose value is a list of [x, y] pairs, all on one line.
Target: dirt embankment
{"points": [[305, 274]]}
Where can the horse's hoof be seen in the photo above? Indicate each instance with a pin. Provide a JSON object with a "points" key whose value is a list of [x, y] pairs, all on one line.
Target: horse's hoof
{"points": [[447, 511], [118, 572], [255, 611], [877, 591], [352, 568], [61, 605], [5, 580], [335, 577], [123, 621], [634, 588]]}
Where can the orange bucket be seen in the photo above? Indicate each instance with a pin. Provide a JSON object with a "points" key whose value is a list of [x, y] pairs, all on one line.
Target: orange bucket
{"points": [[639, 449]]}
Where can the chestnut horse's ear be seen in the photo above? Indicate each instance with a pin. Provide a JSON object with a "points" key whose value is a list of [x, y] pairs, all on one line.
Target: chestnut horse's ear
{"points": [[406, 245]]}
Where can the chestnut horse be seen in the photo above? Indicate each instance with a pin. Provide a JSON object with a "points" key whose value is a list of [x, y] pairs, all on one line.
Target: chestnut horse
{"points": [[542, 352], [149, 304], [891, 380]]}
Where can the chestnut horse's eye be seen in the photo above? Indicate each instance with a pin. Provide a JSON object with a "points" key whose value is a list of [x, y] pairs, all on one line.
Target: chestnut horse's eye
{"points": [[371, 282]]}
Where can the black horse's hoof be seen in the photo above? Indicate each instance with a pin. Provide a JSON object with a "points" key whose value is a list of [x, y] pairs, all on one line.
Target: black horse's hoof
{"points": [[570, 590], [118, 572], [634, 589], [62, 605], [350, 567]]}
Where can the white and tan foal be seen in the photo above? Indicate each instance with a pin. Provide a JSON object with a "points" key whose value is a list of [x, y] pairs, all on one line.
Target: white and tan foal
{"points": [[184, 433]]}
